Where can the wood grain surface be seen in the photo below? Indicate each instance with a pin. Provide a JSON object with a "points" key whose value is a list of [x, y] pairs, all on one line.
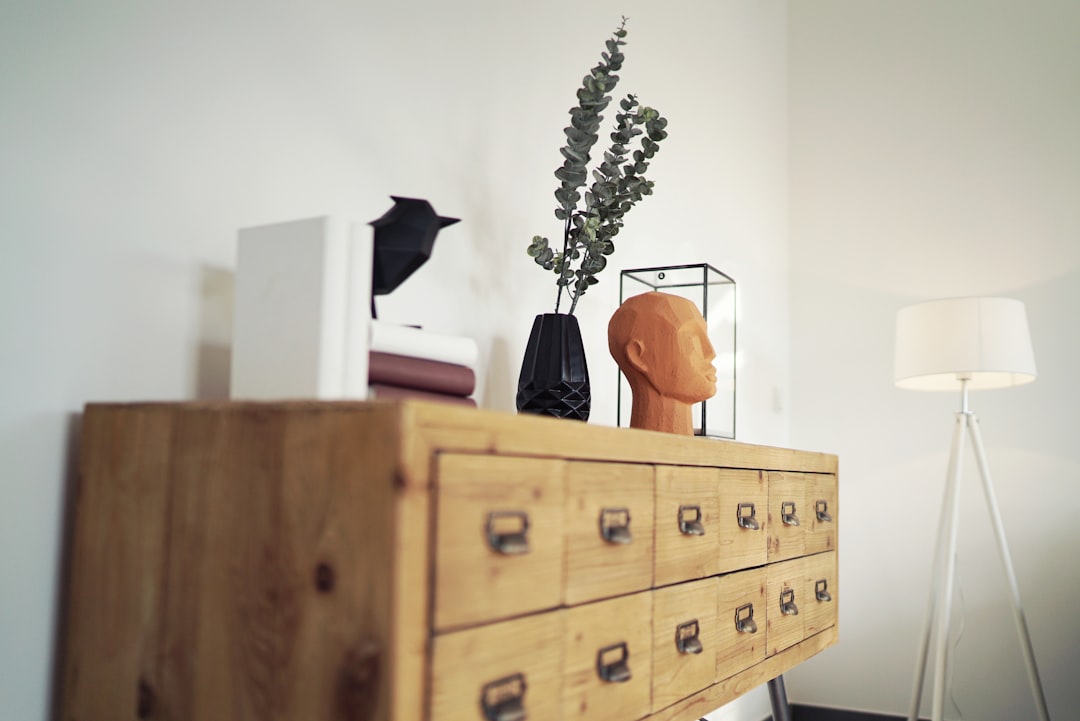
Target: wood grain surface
{"points": [[333, 560]]}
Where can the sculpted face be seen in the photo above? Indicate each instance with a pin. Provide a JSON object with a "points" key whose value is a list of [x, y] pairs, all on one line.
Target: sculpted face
{"points": [[660, 342], [684, 370]]}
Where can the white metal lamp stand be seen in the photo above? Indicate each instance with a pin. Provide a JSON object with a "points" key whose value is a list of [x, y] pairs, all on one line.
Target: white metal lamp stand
{"points": [[964, 343]]}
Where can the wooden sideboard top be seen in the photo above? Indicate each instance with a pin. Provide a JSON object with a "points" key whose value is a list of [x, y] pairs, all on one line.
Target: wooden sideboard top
{"points": [[444, 427]]}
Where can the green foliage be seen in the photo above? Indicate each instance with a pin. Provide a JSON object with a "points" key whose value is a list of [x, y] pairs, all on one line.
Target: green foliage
{"points": [[618, 181]]}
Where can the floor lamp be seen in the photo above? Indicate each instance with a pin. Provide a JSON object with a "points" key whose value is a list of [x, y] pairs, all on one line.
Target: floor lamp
{"points": [[964, 344]]}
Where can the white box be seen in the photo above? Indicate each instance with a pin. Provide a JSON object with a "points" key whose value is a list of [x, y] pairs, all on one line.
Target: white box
{"points": [[302, 310]]}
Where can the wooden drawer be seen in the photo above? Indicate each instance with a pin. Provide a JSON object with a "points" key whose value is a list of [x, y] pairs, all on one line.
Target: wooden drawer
{"points": [[786, 603], [822, 508], [742, 628], [789, 516], [821, 592], [687, 524], [505, 664], [742, 495], [499, 537], [685, 637], [611, 639], [609, 530]]}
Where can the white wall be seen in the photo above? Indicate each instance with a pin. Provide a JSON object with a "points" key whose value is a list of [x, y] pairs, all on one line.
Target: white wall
{"points": [[936, 152], [136, 138]]}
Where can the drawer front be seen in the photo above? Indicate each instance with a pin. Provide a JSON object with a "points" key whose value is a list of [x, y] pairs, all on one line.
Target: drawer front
{"points": [[789, 516], [743, 525], [821, 501], [821, 595], [687, 538], [786, 604], [489, 672], [499, 538], [609, 530], [607, 660], [685, 637], [741, 614]]}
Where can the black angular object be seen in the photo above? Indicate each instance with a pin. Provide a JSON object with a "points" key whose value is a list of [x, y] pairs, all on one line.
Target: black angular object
{"points": [[404, 238], [554, 377]]}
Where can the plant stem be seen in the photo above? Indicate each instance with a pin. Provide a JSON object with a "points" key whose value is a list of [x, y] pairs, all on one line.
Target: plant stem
{"points": [[565, 248]]}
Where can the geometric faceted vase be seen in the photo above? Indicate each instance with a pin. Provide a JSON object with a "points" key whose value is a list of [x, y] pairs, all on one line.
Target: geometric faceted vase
{"points": [[554, 378]]}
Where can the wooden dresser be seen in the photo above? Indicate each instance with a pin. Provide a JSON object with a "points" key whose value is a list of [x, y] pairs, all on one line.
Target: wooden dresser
{"points": [[396, 562]]}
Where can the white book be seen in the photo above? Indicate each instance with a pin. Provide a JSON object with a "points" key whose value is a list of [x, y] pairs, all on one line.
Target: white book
{"points": [[420, 343], [302, 309]]}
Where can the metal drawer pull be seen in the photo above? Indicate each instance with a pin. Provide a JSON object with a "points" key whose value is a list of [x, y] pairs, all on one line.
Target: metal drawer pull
{"points": [[510, 542], [686, 637], [615, 525], [748, 521], [787, 603], [691, 526], [504, 699], [744, 619], [618, 670], [787, 512], [821, 590], [822, 509]]}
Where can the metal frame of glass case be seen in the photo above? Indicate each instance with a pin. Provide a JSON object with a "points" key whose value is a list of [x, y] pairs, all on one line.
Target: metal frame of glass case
{"points": [[714, 294]]}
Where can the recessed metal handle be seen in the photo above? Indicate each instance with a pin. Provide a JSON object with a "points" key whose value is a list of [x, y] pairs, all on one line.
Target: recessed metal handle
{"points": [[613, 663], [822, 510], [744, 619], [504, 699], [787, 513], [686, 637], [787, 603], [508, 532], [821, 590], [747, 516], [615, 525], [690, 521]]}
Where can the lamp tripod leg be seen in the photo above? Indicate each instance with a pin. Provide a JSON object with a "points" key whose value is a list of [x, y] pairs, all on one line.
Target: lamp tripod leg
{"points": [[945, 590], [941, 574], [1006, 560], [935, 580]]}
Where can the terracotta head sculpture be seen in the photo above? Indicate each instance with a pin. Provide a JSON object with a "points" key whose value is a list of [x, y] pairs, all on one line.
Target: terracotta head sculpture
{"points": [[661, 345]]}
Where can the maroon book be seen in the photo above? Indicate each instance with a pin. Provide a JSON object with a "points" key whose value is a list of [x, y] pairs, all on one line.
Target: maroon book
{"points": [[382, 392], [420, 373]]}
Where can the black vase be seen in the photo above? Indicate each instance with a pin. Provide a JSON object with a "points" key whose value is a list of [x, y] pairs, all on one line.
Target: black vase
{"points": [[554, 378]]}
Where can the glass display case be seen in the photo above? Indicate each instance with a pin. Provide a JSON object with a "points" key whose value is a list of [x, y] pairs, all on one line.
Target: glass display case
{"points": [[714, 294]]}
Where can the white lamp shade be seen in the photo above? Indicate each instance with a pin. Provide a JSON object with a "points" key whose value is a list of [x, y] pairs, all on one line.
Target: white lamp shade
{"points": [[982, 340]]}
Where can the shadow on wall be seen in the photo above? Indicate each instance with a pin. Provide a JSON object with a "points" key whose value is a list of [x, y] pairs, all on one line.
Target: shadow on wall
{"points": [[501, 386], [1050, 403], [213, 348], [63, 579]]}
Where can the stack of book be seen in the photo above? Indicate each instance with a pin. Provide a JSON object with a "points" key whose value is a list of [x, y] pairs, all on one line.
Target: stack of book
{"points": [[407, 362]]}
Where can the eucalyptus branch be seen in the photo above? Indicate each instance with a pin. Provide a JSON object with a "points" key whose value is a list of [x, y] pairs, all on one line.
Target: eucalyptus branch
{"points": [[618, 183]]}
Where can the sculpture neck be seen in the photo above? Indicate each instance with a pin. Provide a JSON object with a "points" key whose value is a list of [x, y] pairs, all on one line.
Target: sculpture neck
{"points": [[658, 413]]}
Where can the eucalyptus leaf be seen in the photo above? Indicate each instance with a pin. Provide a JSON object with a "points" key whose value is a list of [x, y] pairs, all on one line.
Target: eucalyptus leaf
{"points": [[573, 177], [576, 135]]}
